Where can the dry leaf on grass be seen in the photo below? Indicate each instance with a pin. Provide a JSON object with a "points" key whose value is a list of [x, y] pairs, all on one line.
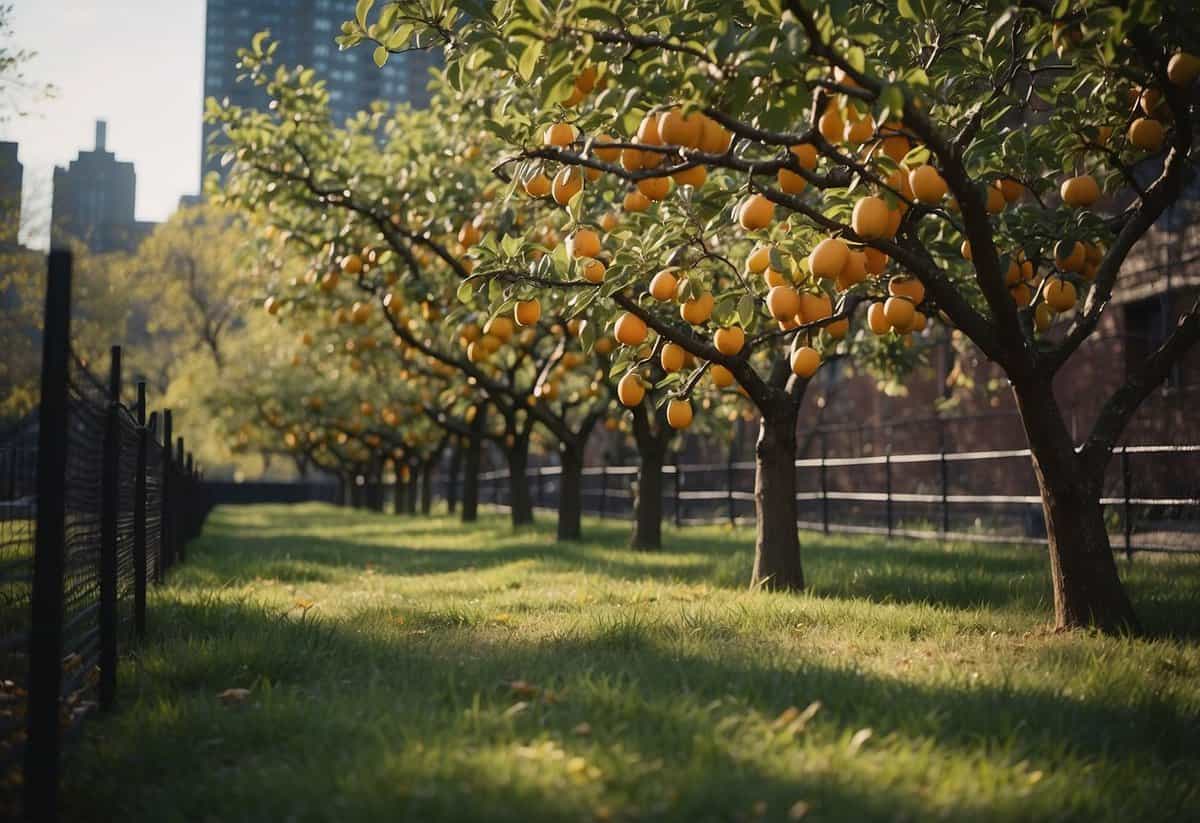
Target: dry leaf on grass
{"points": [[231, 697]]}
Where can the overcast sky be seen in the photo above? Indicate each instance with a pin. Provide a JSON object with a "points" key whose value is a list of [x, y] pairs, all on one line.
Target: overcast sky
{"points": [[138, 64]]}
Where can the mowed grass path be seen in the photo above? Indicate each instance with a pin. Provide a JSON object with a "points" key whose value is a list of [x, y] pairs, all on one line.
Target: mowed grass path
{"points": [[417, 669]]}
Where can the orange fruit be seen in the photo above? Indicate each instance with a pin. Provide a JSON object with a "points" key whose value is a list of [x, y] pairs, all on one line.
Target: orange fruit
{"points": [[527, 312], [677, 129], [774, 278], [966, 249], [592, 271], [654, 188], [995, 201], [559, 134], [1011, 189], [759, 260], [635, 201], [352, 264], [1070, 256], [697, 310], [876, 319], [855, 270], [806, 155], [790, 182], [586, 80], [583, 243], [672, 357], [630, 330], [607, 155], [905, 286], [831, 125], [828, 257], [814, 307], [647, 132], [899, 312], [1183, 69], [679, 413], [783, 302], [729, 340], [630, 390], [714, 138], [500, 328], [805, 361], [1059, 294], [895, 146], [859, 131], [870, 217], [877, 261], [838, 328], [721, 376], [1146, 134], [632, 159], [694, 177], [1081, 191], [567, 183], [927, 184], [1022, 295], [537, 185], [1043, 317], [663, 285], [755, 212]]}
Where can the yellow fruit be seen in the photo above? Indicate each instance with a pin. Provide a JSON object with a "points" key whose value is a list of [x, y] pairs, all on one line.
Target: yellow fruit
{"points": [[831, 125], [500, 328], [870, 217], [919, 322], [607, 155], [774, 278], [527, 312], [783, 302], [895, 146], [855, 270], [755, 212], [655, 188], [559, 134], [635, 201], [806, 155], [730, 340], [1070, 256], [714, 138], [630, 330], [609, 221], [647, 132], [876, 319], [698, 310], [1081, 191], [679, 413], [677, 129], [910, 287], [583, 243], [630, 390], [805, 361], [592, 271], [672, 357], [1146, 134], [927, 184], [899, 312], [790, 182], [1059, 294], [567, 183], [759, 260], [877, 261], [632, 159], [814, 307], [859, 132], [663, 285], [828, 257], [694, 177], [721, 376], [1183, 69]]}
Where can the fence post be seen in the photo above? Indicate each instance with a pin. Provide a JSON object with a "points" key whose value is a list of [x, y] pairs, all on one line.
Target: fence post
{"points": [[45, 632], [945, 472], [180, 536], [887, 468], [1127, 483], [678, 486], [139, 518], [110, 501], [167, 491], [824, 484], [729, 501], [603, 490]]}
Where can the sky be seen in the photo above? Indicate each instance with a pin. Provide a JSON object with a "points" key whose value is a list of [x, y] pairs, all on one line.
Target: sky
{"points": [[139, 64]]}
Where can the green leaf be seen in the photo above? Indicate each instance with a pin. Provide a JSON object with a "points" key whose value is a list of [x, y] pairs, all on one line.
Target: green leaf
{"points": [[529, 59], [361, 10], [380, 55], [906, 10], [465, 292], [746, 310]]}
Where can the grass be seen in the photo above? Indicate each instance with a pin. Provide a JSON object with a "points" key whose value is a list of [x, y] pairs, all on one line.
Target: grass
{"points": [[418, 669]]}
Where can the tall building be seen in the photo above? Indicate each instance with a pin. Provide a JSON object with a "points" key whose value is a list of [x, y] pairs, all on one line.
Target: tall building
{"points": [[93, 201], [12, 175], [305, 30]]}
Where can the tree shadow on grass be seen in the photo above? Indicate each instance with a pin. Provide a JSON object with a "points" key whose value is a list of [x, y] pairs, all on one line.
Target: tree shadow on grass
{"points": [[355, 720]]}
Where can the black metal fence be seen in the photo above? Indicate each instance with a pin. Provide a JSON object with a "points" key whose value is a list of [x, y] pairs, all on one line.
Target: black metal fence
{"points": [[96, 502], [1151, 495]]}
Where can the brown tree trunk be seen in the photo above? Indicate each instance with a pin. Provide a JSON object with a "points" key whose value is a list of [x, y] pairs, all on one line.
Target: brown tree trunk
{"points": [[520, 501], [777, 546], [455, 473], [427, 485], [410, 500], [471, 461], [570, 495], [1087, 587], [398, 491], [648, 503]]}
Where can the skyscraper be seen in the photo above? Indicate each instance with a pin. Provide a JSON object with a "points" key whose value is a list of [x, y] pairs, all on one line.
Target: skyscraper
{"points": [[12, 175], [305, 30], [94, 199]]}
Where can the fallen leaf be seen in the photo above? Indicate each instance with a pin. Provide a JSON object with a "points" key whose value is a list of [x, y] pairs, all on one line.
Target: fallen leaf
{"points": [[233, 696], [861, 736], [516, 708], [798, 810], [522, 688]]}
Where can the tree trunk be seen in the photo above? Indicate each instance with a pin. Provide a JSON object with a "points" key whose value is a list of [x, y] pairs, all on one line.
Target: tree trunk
{"points": [[343, 491], [410, 499], [356, 492], [456, 459], [427, 467], [1087, 587], [471, 461], [398, 494], [648, 501], [570, 494], [520, 502], [777, 546]]}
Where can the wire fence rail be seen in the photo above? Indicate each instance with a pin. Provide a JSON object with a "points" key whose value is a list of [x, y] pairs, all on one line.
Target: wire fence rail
{"points": [[1151, 495], [96, 502]]}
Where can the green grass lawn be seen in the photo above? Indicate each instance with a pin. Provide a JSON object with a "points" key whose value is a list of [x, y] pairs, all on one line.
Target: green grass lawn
{"points": [[416, 669]]}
